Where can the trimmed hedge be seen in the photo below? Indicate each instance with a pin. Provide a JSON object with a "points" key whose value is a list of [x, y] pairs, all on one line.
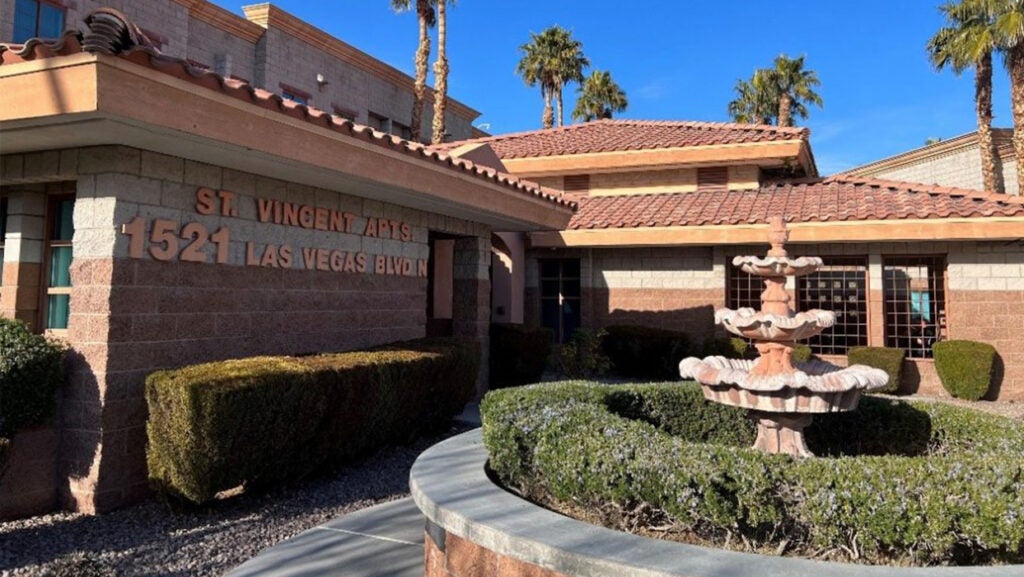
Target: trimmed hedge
{"points": [[645, 352], [262, 420], [888, 359], [802, 353], [910, 482], [518, 354], [965, 367], [31, 372], [582, 356], [730, 348]]}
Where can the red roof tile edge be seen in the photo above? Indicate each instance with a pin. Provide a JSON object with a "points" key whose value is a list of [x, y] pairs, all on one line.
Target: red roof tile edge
{"points": [[112, 33], [800, 132], [621, 212]]}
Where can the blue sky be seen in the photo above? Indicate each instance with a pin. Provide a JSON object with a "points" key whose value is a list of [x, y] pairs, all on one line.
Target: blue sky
{"points": [[679, 60]]}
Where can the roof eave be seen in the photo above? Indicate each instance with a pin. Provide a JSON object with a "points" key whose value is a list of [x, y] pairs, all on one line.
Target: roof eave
{"points": [[95, 99], [895, 230]]}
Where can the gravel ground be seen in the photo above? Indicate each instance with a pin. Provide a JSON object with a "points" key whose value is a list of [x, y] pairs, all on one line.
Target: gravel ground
{"points": [[151, 540]]}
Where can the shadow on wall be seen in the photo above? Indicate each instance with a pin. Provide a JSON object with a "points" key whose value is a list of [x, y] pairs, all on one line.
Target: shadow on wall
{"points": [[698, 322]]}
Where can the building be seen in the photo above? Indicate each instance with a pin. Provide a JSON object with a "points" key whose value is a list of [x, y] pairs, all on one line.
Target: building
{"points": [[268, 48], [665, 206], [151, 222], [955, 162]]}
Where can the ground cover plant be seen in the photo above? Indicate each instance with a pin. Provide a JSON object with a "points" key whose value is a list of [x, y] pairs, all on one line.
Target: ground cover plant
{"points": [[258, 421], [896, 482]]}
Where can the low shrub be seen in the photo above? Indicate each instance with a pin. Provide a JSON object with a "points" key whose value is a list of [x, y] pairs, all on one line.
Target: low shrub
{"points": [[262, 420], [518, 354], [31, 372], [582, 356], [645, 352], [802, 353], [965, 367], [910, 482], [889, 360], [730, 348]]}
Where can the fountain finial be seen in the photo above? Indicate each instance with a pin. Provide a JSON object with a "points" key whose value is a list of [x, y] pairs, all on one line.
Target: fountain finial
{"points": [[777, 236]]}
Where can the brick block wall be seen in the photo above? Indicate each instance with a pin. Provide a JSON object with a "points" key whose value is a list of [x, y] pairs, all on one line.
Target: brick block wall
{"points": [[463, 558], [132, 314], [225, 53], [961, 168], [679, 288]]}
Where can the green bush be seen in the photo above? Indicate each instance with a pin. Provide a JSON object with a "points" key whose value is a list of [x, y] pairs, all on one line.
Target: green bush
{"points": [[965, 367], [801, 353], [262, 420], [909, 482], [888, 359], [582, 356], [645, 352], [31, 372], [730, 348], [518, 354]]}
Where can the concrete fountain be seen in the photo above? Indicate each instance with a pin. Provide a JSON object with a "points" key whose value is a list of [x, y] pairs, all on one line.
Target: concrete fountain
{"points": [[782, 397]]}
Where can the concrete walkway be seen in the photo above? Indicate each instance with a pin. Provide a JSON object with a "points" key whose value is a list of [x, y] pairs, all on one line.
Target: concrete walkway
{"points": [[381, 541]]}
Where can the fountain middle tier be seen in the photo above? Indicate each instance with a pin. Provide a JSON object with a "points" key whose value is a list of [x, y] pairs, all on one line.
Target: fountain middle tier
{"points": [[778, 266], [763, 326]]}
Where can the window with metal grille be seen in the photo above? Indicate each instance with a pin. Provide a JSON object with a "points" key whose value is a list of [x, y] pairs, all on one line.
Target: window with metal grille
{"points": [[713, 179], [742, 289], [914, 290], [576, 183], [841, 287]]}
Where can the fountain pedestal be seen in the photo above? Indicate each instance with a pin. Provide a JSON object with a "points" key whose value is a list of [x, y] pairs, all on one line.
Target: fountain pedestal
{"points": [[782, 397]]}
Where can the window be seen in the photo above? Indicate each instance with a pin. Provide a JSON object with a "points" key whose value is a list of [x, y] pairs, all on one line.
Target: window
{"points": [[378, 122], [37, 19], [401, 130], [3, 235], [294, 94], [61, 230], [914, 289], [346, 113], [841, 287], [560, 296], [742, 290]]}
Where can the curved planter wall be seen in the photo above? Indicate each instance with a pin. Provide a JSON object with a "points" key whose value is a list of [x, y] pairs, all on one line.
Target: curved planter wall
{"points": [[477, 529]]}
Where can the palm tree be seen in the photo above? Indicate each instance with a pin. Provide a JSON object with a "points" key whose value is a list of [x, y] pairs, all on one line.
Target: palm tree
{"points": [[966, 42], [599, 97], [427, 19], [757, 101], [441, 72], [1006, 27], [795, 88], [552, 59]]}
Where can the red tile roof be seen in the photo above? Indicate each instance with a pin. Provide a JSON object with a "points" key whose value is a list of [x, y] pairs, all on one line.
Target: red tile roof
{"points": [[110, 32], [838, 198], [622, 135]]}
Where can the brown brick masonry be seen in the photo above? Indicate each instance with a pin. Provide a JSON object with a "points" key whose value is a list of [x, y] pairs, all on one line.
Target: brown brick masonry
{"points": [[132, 317], [462, 558]]}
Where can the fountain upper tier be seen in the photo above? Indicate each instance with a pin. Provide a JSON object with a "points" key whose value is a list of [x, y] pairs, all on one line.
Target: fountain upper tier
{"points": [[777, 266]]}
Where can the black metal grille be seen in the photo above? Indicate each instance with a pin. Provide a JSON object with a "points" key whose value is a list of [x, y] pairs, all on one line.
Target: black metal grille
{"points": [[914, 290], [841, 287]]}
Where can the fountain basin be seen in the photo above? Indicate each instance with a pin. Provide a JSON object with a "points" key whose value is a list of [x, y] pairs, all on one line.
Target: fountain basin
{"points": [[813, 377], [776, 266], [763, 326]]}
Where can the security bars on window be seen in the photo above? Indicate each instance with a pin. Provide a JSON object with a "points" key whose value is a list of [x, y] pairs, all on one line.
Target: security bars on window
{"points": [[841, 287], [915, 303]]}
